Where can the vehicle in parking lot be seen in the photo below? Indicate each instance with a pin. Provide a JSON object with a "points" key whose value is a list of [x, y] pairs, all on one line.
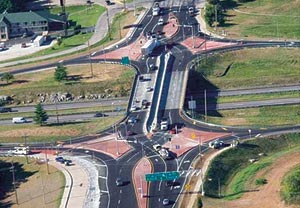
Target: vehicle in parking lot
{"points": [[166, 202], [119, 181], [164, 153], [149, 89], [60, 159], [152, 66]]}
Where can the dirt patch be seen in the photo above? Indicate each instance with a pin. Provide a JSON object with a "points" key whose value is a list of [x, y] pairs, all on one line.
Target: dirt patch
{"points": [[267, 196]]}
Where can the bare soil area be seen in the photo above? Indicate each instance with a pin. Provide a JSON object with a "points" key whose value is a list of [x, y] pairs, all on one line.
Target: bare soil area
{"points": [[267, 196]]}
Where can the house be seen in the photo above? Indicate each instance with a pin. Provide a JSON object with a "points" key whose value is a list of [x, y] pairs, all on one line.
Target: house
{"points": [[26, 23]]}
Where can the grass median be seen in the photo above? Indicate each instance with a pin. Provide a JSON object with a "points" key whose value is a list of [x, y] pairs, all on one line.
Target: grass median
{"points": [[54, 132]]}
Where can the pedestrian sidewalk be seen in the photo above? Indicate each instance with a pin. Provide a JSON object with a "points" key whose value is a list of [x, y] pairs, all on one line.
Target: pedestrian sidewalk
{"points": [[81, 182]]}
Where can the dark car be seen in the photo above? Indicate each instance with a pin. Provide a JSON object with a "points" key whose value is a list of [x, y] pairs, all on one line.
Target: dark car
{"points": [[5, 110], [60, 159], [99, 115], [119, 182], [108, 2]]}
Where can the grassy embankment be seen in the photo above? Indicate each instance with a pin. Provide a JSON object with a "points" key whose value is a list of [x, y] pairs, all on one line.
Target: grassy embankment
{"points": [[262, 19], [290, 186], [249, 68], [117, 79], [34, 185], [236, 174]]}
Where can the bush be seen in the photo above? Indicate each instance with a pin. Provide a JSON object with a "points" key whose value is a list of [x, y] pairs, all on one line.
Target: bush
{"points": [[261, 181], [60, 73], [290, 190]]}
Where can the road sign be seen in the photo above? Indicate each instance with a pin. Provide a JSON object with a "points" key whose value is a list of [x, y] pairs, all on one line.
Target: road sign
{"points": [[162, 176], [192, 104], [125, 60]]}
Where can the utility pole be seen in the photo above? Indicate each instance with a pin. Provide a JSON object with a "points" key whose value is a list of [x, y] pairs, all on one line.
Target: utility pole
{"points": [[205, 105], [14, 181], [91, 65], [120, 34], [46, 158], [108, 26], [25, 144], [55, 102]]}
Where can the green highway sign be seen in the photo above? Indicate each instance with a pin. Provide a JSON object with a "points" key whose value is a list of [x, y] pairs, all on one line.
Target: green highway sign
{"points": [[162, 176], [125, 60]]}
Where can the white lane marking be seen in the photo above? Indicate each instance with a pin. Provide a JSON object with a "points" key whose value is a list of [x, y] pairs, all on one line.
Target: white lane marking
{"points": [[102, 177], [188, 173], [186, 161], [102, 191], [93, 53], [199, 172], [120, 191], [181, 173], [194, 172], [119, 201], [159, 186]]}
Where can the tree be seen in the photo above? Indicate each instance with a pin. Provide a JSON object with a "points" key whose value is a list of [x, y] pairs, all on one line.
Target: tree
{"points": [[7, 77], [200, 203], [60, 73], [214, 2], [40, 115], [210, 15]]}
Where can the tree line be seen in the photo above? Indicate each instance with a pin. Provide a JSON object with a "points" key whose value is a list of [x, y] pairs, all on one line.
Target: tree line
{"points": [[13, 5]]}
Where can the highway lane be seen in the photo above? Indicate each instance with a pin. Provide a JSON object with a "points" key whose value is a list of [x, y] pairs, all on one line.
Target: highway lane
{"points": [[73, 105], [72, 118], [234, 92]]}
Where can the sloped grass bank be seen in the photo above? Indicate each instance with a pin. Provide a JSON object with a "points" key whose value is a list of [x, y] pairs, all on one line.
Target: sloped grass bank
{"points": [[230, 172]]}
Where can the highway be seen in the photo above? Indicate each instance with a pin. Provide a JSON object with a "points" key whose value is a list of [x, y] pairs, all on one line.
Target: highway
{"points": [[166, 98]]}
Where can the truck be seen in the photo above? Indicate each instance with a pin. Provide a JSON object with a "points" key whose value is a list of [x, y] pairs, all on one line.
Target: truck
{"points": [[16, 120], [149, 46], [155, 11], [20, 150], [164, 124], [38, 41]]}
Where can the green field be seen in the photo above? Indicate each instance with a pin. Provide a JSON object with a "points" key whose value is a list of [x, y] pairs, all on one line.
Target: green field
{"points": [[83, 15], [266, 19], [259, 117], [54, 132], [234, 171], [252, 68]]}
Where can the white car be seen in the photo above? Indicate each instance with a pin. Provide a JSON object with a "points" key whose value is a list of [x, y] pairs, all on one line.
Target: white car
{"points": [[133, 108], [160, 21]]}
